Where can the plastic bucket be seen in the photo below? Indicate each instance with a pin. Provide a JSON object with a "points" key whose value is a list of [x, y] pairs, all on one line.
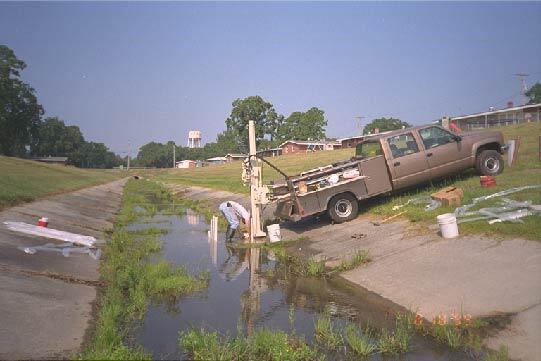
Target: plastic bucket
{"points": [[43, 222], [448, 226], [273, 231]]}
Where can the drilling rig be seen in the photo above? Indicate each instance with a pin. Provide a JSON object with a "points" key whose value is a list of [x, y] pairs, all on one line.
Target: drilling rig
{"points": [[252, 174]]}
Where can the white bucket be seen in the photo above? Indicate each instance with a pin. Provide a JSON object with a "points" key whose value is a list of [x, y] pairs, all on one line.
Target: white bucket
{"points": [[448, 226], [273, 231]]}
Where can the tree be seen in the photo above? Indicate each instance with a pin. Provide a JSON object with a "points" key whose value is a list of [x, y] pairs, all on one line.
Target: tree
{"points": [[154, 155], [261, 112], [384, 125], [94, 155], [20, 112], [534, 93], [225, 143], [54, 138], [309, 125]]}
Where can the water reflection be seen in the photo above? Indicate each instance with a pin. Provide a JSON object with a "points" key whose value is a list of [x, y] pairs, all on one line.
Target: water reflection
{"points": [[251, 287], [193, 218]]}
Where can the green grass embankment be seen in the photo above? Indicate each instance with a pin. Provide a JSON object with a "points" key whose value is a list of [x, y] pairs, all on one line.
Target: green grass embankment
{"points": [[24, 180], [132, 280], [228, 176]]}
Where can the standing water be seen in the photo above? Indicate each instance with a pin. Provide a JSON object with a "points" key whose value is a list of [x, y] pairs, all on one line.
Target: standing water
{"points": [[250, 289]]}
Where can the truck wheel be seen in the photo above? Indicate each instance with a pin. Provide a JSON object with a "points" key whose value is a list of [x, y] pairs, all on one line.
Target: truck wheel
{"points": [[489, 162], [343, 207]]}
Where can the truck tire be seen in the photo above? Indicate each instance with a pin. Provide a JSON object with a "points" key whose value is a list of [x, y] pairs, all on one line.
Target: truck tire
{"points": [[489, 162], [343, 207]]}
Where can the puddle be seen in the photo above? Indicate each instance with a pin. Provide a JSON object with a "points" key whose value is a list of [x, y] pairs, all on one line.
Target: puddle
{"points": [[248, 287]]}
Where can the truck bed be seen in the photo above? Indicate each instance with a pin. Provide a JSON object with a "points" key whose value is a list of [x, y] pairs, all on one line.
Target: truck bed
{"points": [[365, 177]]}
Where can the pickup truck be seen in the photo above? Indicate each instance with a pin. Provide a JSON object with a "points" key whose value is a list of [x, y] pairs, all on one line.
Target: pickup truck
{"points": [[385, 163]]}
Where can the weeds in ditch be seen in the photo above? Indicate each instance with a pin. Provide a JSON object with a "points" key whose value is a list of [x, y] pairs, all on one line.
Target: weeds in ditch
{"points": [[201, 345], [359, 258], [359, 342], [132, 280], [313, 268], [325, 333], [501, 355], [457, 330], [291, 317], [398, 341]]}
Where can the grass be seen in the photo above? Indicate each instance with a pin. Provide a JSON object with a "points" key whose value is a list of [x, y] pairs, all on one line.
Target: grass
{"points": [[457, 331], [264, 344], [501, 355], [228, 176], [397, 341], [24, 180], [359, 258], [326, 334], [132, 281], [359, 343], [268, 345], [333, 340]]}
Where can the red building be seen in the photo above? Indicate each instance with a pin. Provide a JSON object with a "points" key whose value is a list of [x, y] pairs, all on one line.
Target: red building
{"points": [[307, 146], [351, 142]]}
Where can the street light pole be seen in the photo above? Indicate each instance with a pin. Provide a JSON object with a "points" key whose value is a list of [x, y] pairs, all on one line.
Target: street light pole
{"points": [[174, 155]]}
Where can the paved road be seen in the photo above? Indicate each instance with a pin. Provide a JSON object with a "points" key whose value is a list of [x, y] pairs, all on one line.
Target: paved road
{"points": [[417, 269], [46, 299]]}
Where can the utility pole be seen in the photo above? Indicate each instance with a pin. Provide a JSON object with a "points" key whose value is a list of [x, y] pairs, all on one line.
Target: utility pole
{"points": [[174, 155], [129, 154], [360, 118], [523, 87]]}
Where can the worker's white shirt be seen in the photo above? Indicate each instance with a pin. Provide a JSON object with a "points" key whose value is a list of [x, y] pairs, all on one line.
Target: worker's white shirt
{"points": [[241, 211]]}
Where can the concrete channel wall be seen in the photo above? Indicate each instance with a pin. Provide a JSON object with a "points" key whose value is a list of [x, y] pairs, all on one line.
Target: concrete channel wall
{"points": [[412, 266], [46, 299]]}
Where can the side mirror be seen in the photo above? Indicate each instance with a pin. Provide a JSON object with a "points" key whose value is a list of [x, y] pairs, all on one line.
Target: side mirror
{"points": [[458, 138]]}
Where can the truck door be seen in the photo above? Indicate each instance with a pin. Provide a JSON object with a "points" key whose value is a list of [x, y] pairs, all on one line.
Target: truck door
{"points": [[406, 160], [445, 154]]}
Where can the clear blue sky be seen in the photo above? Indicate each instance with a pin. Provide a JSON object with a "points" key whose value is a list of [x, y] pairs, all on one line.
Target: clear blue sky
{"points": [[153, 71]]}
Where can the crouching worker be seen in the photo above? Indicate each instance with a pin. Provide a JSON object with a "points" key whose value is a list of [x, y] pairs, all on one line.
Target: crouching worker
{"points": [[232, 211]]}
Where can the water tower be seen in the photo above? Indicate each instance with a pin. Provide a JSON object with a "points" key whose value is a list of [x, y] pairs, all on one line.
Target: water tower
{"points": [[194, 139]]}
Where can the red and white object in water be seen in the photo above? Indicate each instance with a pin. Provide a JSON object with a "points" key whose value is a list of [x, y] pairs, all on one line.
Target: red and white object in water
{"points": [[43, 222]]}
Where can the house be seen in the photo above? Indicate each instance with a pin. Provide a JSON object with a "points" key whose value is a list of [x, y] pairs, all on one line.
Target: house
{"points": [[272, 152], [501, 117], [216, 160], [186, 164], [307, 146], [234, 157], [351, 142], [52, 160]]}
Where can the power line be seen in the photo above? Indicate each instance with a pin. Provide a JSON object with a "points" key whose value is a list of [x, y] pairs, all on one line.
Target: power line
{"points": [[523, 88]]}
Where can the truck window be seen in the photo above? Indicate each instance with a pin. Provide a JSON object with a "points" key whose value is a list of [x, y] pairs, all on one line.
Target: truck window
{"points": [[435, 136], [403, 144], [368, 149]]}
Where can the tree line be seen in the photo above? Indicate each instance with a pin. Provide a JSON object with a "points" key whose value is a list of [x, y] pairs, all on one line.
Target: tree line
{"points": [[25, 133], [271, 130]]}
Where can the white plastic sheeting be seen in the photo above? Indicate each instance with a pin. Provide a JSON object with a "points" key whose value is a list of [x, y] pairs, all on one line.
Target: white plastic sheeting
{"points": [[66, 249], [430, 204], [462, 211], [79, 239], [509, 210]]}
